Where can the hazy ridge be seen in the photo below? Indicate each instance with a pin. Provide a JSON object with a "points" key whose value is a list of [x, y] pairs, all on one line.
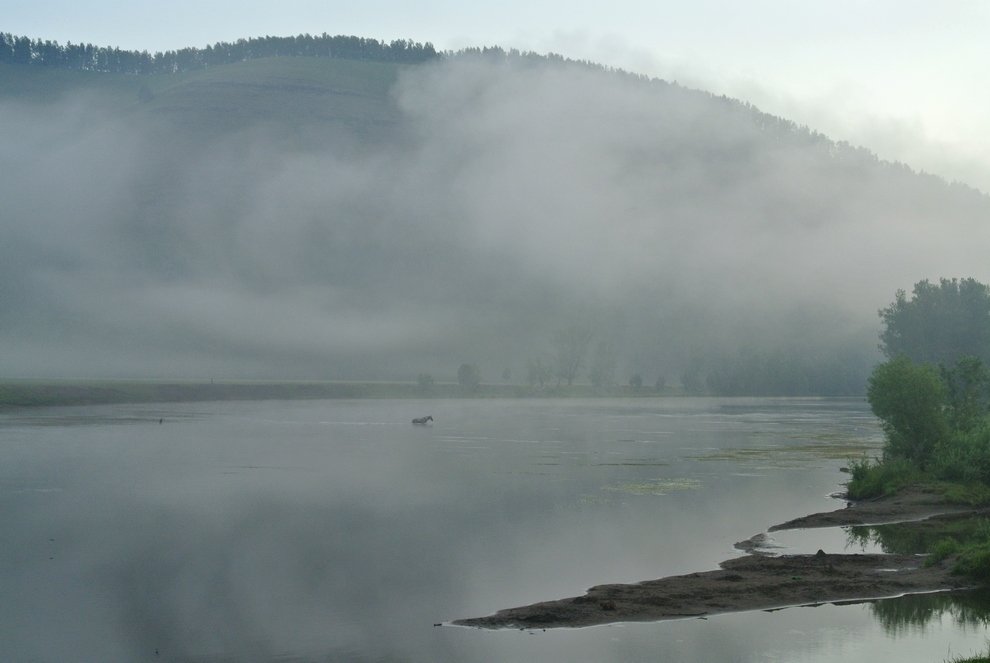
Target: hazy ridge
{"points": [[308, 218]]}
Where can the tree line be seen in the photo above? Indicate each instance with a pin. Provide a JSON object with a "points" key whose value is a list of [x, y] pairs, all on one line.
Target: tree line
{"points": [[933, 401], [86, 57], [933, 395]]}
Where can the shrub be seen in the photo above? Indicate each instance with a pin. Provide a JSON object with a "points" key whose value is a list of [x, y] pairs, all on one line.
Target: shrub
{"points": [[971, 494], [941, 550], [874, 479], [974, 562], [965, 456]]}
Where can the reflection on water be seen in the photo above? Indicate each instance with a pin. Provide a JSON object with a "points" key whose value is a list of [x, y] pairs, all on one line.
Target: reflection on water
{"points": [[338, 531], [906, 614], [913, 538]]}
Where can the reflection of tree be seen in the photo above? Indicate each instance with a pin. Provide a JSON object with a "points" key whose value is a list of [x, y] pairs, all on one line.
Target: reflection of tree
{"points": [[901, 615], [900, 539], [970, 609], [917, 537]]}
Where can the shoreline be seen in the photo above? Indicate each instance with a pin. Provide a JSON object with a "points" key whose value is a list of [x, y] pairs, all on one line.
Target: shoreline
{"points": [[24, 393], [759, 581]]}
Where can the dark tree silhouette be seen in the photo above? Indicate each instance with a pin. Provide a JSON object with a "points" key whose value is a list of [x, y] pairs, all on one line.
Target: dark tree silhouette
{"points": [[23, 50]]}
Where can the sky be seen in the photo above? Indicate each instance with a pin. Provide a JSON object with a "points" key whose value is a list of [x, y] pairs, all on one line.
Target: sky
{"points": [[904, 78]]}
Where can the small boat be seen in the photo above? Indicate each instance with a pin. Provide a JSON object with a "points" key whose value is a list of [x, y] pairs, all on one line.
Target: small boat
{"points": [[422, 421]]}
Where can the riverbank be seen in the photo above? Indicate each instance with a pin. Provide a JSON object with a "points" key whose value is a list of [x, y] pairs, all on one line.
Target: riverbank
{"points": [[758, 581], [37, 393]]}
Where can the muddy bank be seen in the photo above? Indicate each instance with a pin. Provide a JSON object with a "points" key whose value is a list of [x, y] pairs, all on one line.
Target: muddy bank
{"points": [[905, 506], [753, 582], [759, 581]]}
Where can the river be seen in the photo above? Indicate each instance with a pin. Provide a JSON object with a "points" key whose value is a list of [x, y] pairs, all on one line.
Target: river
{"points": [[336, 530]]}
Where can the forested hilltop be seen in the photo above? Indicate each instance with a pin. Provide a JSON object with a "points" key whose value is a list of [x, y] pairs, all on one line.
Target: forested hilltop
{"points": [[86, 57], [357, 216]]}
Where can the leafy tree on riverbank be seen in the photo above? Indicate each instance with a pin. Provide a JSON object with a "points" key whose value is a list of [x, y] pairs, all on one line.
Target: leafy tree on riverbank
{"points": [[933, 396], [933, 401], [940, 324], [909, 399], [935, 424]]}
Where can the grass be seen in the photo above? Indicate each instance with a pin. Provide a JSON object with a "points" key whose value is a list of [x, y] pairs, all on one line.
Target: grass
{"points": [[50, 84], [964, 542], [871, 479], [302, 98], [877, 479], [292, 92], [967, 544], [979, 658]]}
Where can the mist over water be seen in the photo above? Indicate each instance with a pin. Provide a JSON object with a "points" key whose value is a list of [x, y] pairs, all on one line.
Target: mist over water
{"points": [[337, 530], [489, 205]]}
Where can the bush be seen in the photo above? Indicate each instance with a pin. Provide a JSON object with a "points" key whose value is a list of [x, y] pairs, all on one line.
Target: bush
{"points": [[965, 456], [875, 479], [941, 550], [970, 494], [974, 562]]}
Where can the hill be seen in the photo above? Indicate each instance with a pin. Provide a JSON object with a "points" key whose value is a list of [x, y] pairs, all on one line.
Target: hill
{"points": [[303, 217]]}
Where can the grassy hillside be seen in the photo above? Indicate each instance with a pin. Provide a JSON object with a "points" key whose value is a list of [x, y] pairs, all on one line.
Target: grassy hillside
{"points": [[297, 92], [51, 84], [351, 95]]}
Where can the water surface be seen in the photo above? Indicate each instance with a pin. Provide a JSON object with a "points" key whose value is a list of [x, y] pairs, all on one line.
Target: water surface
{"points": [[335, 530]]}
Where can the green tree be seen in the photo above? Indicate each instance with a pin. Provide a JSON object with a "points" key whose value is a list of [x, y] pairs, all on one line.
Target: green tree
{"points": [[909, 399], [940, 323], [967, 386], [636, 382], [469, 377]]}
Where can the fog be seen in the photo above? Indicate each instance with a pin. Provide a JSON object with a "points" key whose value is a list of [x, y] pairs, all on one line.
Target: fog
{"points": [[505, 200]]}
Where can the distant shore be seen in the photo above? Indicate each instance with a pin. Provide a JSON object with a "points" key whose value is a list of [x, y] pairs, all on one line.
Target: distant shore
{"points": [[758, 581], [36, 393]]}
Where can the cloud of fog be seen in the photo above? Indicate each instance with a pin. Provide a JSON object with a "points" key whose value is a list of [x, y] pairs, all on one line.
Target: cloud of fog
{"points": [[516, 198], [628, 191]]}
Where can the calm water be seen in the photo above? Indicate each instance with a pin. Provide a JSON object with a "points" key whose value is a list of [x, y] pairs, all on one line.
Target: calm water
{"points": [[335, 530]]}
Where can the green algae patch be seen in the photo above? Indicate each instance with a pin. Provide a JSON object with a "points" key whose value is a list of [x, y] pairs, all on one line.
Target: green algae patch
{"points": [[791, 454], [654, 486]]}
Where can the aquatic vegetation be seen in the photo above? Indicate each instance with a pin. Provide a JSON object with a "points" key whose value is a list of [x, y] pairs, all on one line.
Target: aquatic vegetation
{"points": [[789, 455], [655, 486], [979, 658]]}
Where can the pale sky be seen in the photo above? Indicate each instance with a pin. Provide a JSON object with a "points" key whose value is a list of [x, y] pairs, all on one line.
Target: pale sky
{"points": [[907, 79]]}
